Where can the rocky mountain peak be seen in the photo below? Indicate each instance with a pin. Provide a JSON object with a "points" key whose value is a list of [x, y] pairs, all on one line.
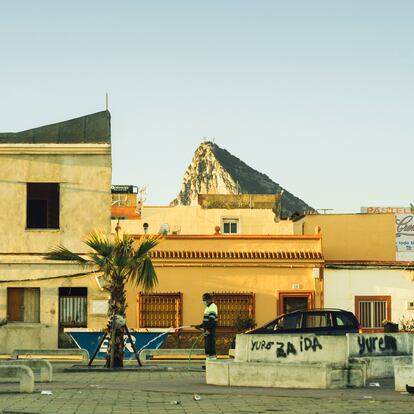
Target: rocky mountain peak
{"points": [[213, 170]]}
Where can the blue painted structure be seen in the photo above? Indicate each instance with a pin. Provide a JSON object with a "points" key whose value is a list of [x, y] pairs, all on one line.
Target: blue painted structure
{"points": [[90, 340]]}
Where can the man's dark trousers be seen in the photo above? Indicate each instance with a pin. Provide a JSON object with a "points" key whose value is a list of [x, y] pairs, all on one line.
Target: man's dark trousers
{"points": [[210, 342]]}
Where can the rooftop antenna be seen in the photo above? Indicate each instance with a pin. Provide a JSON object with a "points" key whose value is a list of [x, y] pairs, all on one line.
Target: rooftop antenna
{"points": [[106, 101]]}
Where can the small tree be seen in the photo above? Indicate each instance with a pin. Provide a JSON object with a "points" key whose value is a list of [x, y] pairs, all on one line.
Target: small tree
{"points": [[120, 262]]}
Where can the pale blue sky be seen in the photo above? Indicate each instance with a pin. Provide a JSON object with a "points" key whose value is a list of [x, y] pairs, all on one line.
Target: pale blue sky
{"points": [[319, 95]]}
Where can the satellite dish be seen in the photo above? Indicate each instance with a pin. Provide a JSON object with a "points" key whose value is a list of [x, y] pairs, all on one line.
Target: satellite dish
{"points": [[164, 229]]}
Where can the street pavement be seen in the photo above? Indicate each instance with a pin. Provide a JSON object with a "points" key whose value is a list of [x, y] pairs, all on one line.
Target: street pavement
{"points": [[173, 390]]}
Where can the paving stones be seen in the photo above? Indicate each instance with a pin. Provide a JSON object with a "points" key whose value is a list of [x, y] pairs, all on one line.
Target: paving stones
{"points": [[152, 392]]}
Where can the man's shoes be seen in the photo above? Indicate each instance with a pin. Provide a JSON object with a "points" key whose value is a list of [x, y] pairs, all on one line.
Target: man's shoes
{"points": [[211, 358]]}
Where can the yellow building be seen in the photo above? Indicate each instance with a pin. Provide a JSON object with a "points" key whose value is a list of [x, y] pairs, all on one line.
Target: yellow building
{"points": [[352, 236], [232, 214], [251, 276], [55, 189], [364, 271]]}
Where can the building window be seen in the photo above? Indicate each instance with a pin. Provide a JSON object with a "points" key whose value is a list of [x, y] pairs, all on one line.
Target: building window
{"points": [[233, 306], [23, 305], [73, 306], [42, 206], [230, 226], [372, 310], [159, 310]]}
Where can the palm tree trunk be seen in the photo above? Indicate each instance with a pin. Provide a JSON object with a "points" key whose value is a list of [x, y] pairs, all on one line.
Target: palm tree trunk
{"points": [[117, 306]]}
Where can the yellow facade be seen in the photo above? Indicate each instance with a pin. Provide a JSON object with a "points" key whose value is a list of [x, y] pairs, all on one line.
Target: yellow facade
{"points": [[353, 236], [198, 220], [82, 172], [268, 266]]}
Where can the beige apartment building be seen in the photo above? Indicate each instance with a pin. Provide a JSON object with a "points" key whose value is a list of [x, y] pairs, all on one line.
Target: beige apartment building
{"points": [[55, 189]]}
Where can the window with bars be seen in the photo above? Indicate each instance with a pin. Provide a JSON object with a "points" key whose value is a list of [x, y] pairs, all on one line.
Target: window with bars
{"points": [[233, 306], [159, 310], [73, 305], [372, 310]]}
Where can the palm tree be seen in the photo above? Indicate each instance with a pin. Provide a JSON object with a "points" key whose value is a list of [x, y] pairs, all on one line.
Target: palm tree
{"points": [[120, 262]]}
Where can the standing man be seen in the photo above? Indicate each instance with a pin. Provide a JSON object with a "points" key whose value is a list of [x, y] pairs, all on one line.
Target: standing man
{"points": [[209, 326]]}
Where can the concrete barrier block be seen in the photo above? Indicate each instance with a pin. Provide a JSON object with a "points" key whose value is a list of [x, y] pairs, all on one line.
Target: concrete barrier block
{"points": [[404, 375], [287, 348], [279, 375], [218, 372], [42, 365], [350, 377], [380, 344], [256, 374], [145, 353], [24, 373], [382, 367], [53, 352]]}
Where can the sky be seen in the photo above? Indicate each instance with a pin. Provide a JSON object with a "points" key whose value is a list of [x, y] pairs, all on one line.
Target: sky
{"points": [[318, 95]]}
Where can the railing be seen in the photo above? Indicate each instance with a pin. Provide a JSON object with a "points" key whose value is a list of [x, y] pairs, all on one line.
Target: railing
{"points": [[73, 310]]}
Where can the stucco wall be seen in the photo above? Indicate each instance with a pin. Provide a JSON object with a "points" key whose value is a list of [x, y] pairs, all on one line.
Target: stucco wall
{"points": [[194, 281], [342, 285], [196, 220], [43, 334], [85, 199], [266, 278], [84, 174], [353, 236]]}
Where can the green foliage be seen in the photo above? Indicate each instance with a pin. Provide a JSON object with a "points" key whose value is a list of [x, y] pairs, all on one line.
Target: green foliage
{"points": [[243, 324], [407, 324], [119, 261]]}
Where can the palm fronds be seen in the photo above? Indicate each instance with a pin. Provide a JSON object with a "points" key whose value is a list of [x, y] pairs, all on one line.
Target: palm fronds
{"points": [[146, 244], [101, 244], [62, 253], [144, 275]]}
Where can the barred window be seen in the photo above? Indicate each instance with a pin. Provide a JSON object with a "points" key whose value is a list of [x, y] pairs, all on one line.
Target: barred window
{"points": [[73, 305], [372, 310], [233, 306], [159, 310]]}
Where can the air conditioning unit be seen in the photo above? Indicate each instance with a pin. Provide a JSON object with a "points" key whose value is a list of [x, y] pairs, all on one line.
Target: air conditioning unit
{"points": [[410, 305], [316, 272]]}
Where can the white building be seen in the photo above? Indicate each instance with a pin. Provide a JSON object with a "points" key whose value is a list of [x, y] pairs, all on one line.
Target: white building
{"points": [[373, 290]]}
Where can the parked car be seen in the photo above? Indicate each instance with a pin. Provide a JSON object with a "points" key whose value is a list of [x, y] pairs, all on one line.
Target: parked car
{"points": [[312, 321]]}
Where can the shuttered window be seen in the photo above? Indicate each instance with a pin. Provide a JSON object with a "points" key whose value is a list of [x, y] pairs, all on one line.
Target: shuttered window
{"points": [[73, 305], [159, 310], [23, 305], [233, 306], [371, 311]]}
